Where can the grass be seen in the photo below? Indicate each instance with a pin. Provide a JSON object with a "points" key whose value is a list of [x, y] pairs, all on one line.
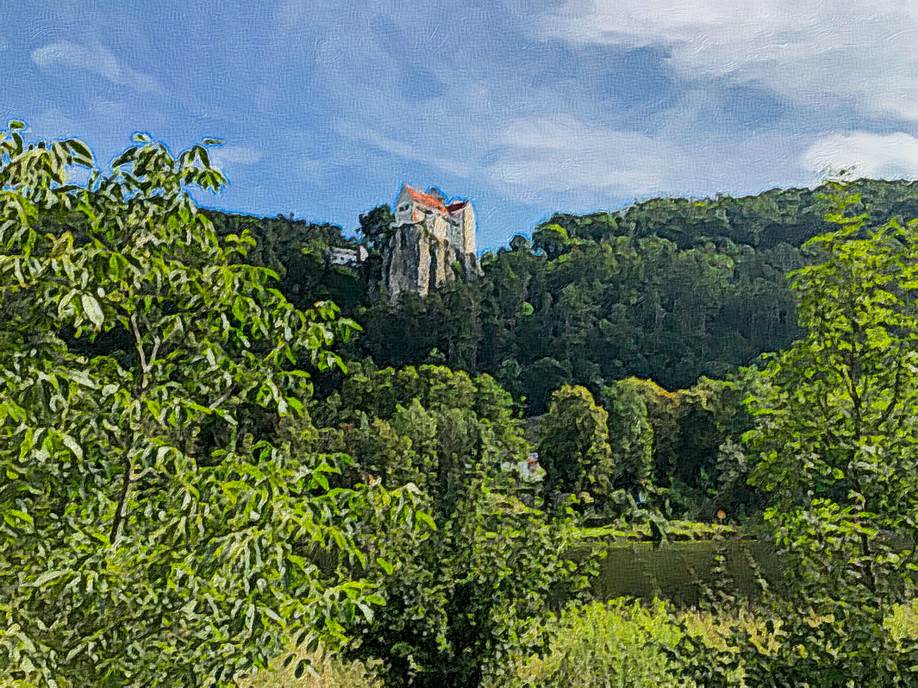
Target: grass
{"points": [[676, 530]]}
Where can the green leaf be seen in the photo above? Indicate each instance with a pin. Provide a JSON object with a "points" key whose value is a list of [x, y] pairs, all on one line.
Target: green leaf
{"points": [[320, 480], [375, 598], [73, 446], [81, 150], [47, 577], [426, 519], [385, 566], [15, 517], [92, 309]]}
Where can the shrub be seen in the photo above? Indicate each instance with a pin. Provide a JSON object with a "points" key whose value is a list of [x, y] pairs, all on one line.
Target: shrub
{"points": [[902, 624], [620, 643], [782, 645], [325, 671]]}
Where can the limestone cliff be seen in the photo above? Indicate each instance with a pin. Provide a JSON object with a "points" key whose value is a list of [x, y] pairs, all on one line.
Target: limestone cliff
{"points": [[416, 261]]}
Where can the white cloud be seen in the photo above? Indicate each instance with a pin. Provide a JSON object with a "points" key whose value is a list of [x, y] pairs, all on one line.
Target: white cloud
{"points": [[411, 149], [538, 131], [860, 51], [567, 157], [98, 60], [564, 154], [231, 156], [885, 156]]}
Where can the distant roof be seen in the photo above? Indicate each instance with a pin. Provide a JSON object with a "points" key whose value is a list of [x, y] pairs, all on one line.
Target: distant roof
{"points": [[426, 199], [434, 201]]}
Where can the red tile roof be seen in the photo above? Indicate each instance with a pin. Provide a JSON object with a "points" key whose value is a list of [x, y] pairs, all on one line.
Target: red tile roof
{"points": [[426, 199], [434, 202]]}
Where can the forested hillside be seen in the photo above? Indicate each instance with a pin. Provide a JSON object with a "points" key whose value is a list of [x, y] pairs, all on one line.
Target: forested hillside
{"points": [[668, 289], [205, 483]]}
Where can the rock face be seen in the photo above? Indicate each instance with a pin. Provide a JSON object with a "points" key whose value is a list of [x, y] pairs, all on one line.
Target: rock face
{"points": [[433, 243], [416, 261]]}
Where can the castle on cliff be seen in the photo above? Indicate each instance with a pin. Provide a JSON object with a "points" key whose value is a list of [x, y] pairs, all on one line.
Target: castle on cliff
{"points": [[449, 221], [433, 242]]}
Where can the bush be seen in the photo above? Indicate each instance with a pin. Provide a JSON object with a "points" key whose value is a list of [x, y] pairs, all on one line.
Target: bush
{"points": [[781, 645], [902, 624], [324, 671], [620, 643]]}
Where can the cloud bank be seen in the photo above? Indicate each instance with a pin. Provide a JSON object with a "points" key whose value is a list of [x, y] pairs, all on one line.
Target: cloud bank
{"points": [[527, 106], [882, 156], [862, 50]]}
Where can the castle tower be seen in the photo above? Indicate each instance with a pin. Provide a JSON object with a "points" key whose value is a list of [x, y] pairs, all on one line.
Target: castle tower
{"points": [[462, 217], [433, 235]]}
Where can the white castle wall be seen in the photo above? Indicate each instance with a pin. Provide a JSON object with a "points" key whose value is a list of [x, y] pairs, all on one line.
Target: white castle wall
{"points": [[456, 228]]}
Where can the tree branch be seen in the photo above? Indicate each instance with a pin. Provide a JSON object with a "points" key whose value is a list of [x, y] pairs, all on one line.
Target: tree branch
{"points": [[897, 386], [138, 342], [121, 508]]}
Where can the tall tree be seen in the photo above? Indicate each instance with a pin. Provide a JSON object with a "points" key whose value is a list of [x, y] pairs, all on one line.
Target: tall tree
{"points": [[376, 225], [574, 448], [162, 513], [836, 442], [838, 419], [630, 433]]}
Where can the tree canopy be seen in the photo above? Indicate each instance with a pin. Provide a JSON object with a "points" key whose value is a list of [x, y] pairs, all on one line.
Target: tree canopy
{"points": [[162, 513]]}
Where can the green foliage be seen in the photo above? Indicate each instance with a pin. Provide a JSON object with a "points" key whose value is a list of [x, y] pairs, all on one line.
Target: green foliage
{"points": [[179, 507], [508, 563], [376, 225], [836, 433], [552, 239], [711, 460], [835, 443], [902, 624], [789, 645], [626, 643], [619, 643], [439, 427], [319, 670], [678, 452], [297, 251], [457, 597], [163, 518], [631, 435], [847, 391], [574, 446], [668, 289]]}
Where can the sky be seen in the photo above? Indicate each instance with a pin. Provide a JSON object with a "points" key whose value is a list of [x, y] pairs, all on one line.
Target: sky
{"points": [[527, 107]]}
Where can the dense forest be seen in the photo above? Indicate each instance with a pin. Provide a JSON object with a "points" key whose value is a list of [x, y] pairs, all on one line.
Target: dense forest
{"points": [[668, 290], [226, 463], [661, 310]]}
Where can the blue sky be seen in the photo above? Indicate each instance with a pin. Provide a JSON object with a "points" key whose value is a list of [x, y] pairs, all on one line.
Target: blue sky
{"points": [[525, 107]]}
